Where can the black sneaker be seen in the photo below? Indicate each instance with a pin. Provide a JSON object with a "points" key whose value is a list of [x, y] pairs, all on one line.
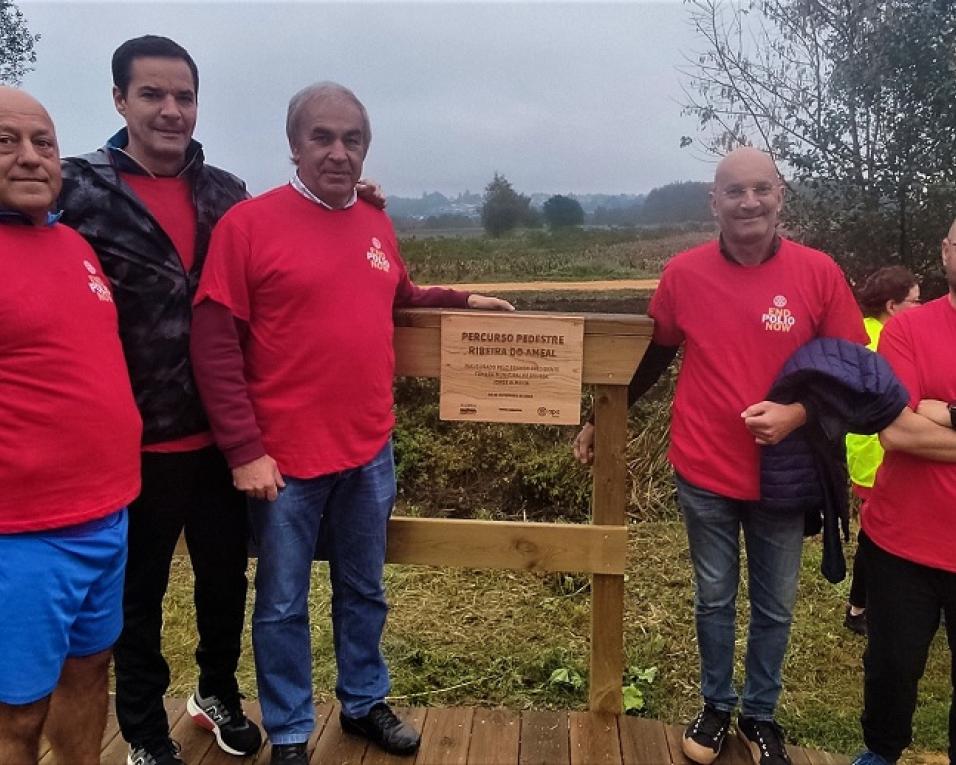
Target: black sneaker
{"points": [[234, 732], [855, 622], [764, 738], [289, 754], [382, 727], [162, 753], [705, 735]]}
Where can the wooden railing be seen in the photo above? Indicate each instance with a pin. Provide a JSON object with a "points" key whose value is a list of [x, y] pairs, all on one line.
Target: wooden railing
{"points": [[613, 345]]}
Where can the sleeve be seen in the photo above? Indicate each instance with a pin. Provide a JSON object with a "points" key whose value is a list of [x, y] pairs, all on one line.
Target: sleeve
{"points": [[896, 347], [842, 317], [218, 366], [663, 311], [225, 274], [409, 295]]}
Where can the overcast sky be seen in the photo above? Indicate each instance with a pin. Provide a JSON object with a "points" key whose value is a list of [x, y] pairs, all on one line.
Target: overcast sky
{"points": [[571, 97]]}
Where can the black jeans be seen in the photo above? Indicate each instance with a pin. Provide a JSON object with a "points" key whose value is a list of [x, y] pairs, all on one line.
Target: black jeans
{"points": [[191, 491], [858, 583], [903, 605]]}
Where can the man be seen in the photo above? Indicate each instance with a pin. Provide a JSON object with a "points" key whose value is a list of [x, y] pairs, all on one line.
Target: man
{"points": [[68, 459], [147, 203], [740, 306], [292, 346], [909, 546]]}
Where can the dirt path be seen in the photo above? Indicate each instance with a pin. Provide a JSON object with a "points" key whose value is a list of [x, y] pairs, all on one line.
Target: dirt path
{"points": [[606, 286]]}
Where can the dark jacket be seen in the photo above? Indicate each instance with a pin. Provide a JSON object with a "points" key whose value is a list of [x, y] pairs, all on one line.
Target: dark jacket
{"points": [[846, 388], [153, 293]]}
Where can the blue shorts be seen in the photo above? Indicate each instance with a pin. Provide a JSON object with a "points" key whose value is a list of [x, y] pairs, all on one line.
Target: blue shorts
{"points": [[61, 596]]}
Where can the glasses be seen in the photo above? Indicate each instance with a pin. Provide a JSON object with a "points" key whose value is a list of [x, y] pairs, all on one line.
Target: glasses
{"points": [[761, 190]]}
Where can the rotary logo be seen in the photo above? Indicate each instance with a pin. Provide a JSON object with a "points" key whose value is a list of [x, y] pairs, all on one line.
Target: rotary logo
{"points": [[778, 317], [376, 257], [90, 268]]}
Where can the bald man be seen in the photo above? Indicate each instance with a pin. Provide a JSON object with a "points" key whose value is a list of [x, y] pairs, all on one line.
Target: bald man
{"points": [[69, 461], [740, 306]]}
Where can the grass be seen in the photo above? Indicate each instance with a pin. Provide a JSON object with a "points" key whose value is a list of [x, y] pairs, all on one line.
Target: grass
{"points": [[566, 255]]}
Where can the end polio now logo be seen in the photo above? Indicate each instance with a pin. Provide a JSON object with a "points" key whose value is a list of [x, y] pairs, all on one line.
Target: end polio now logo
{"points": [[377, 258], [96, 284], [778, 318]]}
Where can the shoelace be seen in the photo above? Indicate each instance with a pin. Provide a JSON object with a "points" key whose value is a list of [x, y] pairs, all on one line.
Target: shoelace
{"points": [[770, 738], [384, 718], [710, 723]]}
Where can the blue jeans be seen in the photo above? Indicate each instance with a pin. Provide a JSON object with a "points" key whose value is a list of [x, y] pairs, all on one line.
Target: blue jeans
{"points": [[774, 543], [351, 508]]}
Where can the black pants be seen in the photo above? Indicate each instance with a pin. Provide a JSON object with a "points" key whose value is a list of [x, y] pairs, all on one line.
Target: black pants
{"points": [[858, 583], [903, 605], [191, 491]]}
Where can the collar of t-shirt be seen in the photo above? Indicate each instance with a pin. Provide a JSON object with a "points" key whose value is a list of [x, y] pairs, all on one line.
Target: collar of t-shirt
{"points": [[124, 162], [774, 249], [18, 218], [298, 185]]}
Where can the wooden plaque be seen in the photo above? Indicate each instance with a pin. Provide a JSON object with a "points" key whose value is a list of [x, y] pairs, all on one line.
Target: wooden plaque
{"points": [[502, 367]]}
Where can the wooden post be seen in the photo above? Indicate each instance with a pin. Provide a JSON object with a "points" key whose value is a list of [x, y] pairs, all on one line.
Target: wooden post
{"points": [[608, 508]]}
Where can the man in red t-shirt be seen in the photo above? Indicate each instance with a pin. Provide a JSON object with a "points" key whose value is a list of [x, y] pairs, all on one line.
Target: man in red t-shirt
{"points": [[740, 306], [909, 545], [292, 350], [69, 464]]}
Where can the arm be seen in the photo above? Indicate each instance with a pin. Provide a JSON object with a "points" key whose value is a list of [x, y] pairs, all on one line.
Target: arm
{"points": [[657, 358], [919, 436], [216, 352]]}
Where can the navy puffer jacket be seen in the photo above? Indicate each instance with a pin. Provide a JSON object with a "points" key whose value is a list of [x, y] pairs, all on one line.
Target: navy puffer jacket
{"points": [[845, 388]]}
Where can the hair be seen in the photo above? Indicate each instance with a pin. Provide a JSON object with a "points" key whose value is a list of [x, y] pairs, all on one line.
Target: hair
{"points": [[148, 46], [322, 90], [890, 283]]}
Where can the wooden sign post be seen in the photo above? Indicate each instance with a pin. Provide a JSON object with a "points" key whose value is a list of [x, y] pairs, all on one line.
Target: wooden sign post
{"points": [[504, 367]]}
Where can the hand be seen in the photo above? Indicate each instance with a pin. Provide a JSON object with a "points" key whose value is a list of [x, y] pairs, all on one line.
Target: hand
{"points": [[937, 411], [370, 191], [485, 303], [771, 422], [259, 479], [584, 444]]}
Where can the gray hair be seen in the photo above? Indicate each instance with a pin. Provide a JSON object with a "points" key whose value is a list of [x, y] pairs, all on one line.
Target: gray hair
{"points": [[322, 90]]}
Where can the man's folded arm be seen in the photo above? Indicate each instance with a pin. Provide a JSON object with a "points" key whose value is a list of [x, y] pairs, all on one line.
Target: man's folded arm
{"points": [[218, 366], [917, 435]]}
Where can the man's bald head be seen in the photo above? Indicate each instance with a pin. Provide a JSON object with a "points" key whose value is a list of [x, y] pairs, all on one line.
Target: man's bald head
{"points": [[745, 159], [29, 156], [746, 199]]}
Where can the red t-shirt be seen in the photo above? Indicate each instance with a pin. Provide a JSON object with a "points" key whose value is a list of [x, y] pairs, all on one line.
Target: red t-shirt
{"points": [[739, 325], [70, 431], [170, 202], [316, 288], [911, 512]]}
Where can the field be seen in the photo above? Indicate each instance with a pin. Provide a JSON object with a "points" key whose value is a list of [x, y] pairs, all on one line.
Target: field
{"points": [[466, 637]]}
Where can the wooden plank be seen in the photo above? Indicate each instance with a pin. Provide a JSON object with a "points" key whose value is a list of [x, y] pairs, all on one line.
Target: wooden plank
{"points": [[414, 716], [595, 739], [798, 755], [607, 592], [507, 545], [195, 741], [613, 344], [736, 750], [495, 737], [544, 738], [446, 737], [323, 713], [335, 745], [674, 734], [643, 742]]}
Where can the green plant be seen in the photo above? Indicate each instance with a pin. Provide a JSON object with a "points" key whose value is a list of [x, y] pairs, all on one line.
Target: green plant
{"points": [[637, 682]]}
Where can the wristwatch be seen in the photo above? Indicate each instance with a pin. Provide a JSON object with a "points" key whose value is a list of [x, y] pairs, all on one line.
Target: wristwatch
{"points": [[952, 414]]}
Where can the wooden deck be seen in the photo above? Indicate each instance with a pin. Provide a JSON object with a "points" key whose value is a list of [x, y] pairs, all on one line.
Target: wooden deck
{"points": [[471, 736]]}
